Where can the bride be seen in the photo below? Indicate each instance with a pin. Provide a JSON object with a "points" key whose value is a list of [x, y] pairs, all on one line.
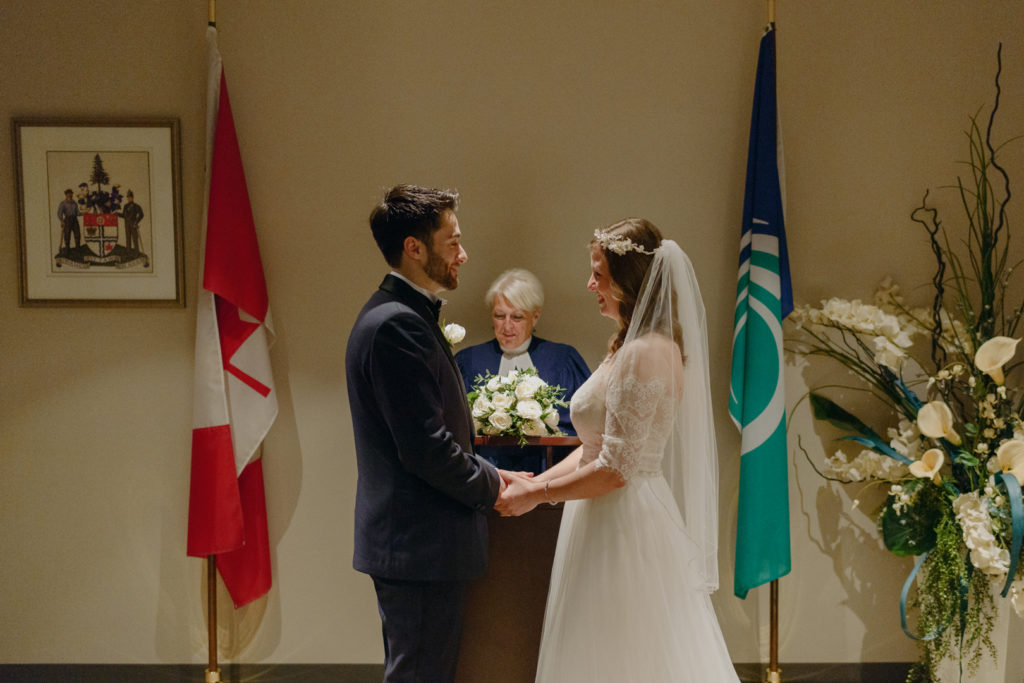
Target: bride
{"points": [[636, 559]]}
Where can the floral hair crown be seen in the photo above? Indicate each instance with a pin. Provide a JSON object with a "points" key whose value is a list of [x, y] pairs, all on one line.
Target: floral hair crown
{"points": [[618, 244]]}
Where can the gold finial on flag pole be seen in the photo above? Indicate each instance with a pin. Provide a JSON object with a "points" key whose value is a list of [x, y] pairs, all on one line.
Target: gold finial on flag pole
{"points": [[213, 12], [771, 12]]}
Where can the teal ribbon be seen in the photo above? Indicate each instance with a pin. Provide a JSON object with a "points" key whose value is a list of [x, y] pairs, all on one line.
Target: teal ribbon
{"points": [[909, 395], [964, 593], [903, 605], [1016, 523]]}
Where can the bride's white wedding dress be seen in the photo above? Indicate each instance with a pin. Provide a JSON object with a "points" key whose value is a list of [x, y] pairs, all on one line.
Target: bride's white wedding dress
{"points": [[627, 600]]}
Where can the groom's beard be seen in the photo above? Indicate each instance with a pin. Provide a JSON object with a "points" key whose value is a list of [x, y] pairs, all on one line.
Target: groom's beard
{"points": [[440, 272]]}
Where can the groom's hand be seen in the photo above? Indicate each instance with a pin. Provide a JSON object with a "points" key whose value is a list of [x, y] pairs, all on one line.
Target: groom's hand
{"points": [[519, 496]]}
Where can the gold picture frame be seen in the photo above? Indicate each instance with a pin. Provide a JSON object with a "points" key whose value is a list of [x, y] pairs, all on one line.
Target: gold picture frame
{"points": [[99, 211]]}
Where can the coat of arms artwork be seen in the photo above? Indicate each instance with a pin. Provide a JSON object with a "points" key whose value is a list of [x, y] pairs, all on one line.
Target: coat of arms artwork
{"points": [[98, 222], [99, 206]]}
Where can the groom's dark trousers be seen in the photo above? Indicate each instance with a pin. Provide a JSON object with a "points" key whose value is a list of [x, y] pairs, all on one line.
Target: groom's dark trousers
{"points": [[422, 495]]}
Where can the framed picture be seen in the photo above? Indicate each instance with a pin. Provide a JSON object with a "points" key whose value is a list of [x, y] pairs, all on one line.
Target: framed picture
{"points": [[99, 207]]}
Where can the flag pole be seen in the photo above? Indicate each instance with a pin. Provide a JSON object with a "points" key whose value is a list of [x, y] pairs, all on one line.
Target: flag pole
{"points": [[212, 669], [774, 672]]}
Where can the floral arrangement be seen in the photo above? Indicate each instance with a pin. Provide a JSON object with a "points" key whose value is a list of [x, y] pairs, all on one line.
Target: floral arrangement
{"points": [[518, 404], [952, 455]]}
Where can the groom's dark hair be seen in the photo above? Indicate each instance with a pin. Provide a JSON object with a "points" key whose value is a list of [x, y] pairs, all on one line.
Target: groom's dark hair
{"points": [[409, 211]]}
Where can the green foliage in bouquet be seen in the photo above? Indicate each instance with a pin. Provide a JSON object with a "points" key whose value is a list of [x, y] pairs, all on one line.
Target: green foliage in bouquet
{"points": [[953, 453], [518, 404]]}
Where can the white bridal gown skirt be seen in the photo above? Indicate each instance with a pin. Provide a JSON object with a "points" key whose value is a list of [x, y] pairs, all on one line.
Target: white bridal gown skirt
{"points": [[621, 607]]}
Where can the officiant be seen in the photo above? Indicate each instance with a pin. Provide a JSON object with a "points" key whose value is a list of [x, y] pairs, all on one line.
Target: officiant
{"points": [[515, 300]]}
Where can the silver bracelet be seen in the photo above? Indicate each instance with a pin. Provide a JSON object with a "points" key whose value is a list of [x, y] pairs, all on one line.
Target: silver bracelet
{"points": [[547, 494]]}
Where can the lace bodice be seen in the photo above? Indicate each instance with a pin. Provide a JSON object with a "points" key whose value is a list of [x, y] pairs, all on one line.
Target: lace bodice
{"points": [[624, 413]]}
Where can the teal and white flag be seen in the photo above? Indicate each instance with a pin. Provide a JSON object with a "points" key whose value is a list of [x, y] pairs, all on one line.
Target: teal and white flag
{"points": [[757, 396]]}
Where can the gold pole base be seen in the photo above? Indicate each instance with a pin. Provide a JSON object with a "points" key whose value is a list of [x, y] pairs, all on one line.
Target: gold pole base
{"points": [[774, 676], [213, 676]]}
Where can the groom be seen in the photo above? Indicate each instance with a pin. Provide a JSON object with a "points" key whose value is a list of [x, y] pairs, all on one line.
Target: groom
{"points": [[422, 495]]}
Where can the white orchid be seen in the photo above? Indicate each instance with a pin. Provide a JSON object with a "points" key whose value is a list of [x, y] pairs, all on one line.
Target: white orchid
{"points": [[935, 420], [866, 465], [929, 465], [1017, 597], [993, 355], [888, 353]]}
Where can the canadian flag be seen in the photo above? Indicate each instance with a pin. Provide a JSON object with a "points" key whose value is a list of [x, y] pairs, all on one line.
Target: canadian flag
{"points": [[234, 398]]}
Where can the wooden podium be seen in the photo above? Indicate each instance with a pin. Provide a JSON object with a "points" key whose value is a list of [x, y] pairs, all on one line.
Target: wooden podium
{"points": [[505, 608]]}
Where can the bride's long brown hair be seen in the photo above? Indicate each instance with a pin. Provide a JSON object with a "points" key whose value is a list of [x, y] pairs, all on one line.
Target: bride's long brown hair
{"points": [[628, 273]]}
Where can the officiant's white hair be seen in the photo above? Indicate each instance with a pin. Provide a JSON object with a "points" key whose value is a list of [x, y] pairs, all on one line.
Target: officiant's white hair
{"points": [[521, 287]]}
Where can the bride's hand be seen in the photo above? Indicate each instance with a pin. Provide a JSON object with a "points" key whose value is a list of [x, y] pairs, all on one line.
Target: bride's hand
{"points": [[519, 497]]}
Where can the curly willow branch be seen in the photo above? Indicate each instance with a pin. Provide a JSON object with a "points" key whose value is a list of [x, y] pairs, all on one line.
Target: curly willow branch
{"points": [[932, 225], [992, 151]]}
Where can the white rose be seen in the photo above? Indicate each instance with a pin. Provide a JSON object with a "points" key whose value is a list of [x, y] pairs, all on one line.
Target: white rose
{"points": [[511, 377], [500, 420], [454, 333], [501, 401], [551, 419], [534, 428], [529, 409], [481, 407], [494, 383], [529, 386]]}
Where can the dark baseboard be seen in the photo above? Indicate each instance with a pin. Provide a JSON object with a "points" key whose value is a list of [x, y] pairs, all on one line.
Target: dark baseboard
{"points": [[875, 672], [167, 673], [855, 672]]}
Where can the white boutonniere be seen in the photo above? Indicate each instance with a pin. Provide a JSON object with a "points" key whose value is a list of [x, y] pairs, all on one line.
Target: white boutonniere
{"points": [[453, 332]]}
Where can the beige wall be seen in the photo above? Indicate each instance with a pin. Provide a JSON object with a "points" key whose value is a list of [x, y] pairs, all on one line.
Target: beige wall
{"points": [[551, 119]]}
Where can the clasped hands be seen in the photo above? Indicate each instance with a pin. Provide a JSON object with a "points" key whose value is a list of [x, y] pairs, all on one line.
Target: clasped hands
{"points": [[519, 493]]}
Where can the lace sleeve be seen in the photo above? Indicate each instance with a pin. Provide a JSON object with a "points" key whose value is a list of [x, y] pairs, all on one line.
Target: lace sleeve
{"points": [[636, 422]]}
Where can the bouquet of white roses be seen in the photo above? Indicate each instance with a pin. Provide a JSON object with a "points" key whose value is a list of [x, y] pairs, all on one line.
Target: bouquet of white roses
{"points": [[519, 404]]}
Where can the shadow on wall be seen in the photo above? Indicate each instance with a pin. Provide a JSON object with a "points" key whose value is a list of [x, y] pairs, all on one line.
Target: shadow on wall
{"points": [[185, 614], [844, 530]]}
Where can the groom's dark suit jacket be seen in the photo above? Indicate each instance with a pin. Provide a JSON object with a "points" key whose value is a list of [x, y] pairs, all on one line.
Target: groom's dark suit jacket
{"points": [[422, 495]]}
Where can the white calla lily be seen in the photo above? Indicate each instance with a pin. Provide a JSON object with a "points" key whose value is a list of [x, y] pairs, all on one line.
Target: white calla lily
{"points": [[929, 465], [935, 420], [993, 355], [1011, 458]]}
